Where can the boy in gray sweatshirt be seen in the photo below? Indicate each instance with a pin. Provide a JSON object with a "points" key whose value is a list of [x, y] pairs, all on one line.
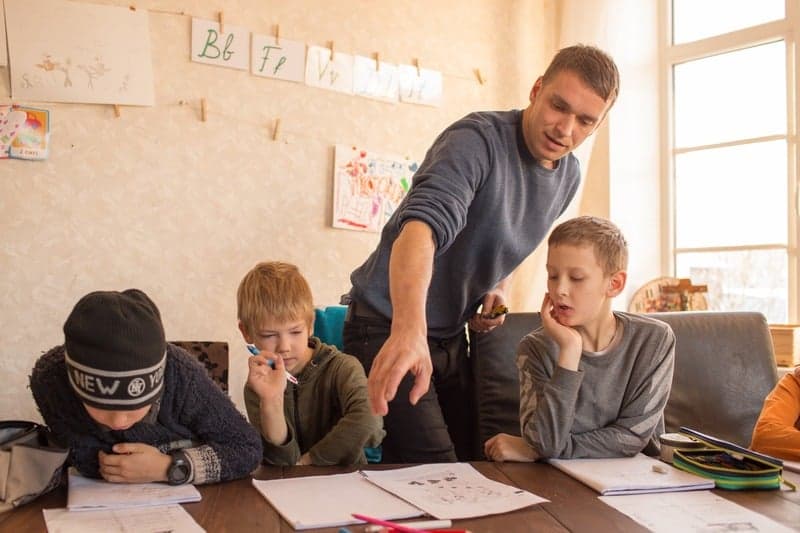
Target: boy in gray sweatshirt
{"points": [[593, 382]]}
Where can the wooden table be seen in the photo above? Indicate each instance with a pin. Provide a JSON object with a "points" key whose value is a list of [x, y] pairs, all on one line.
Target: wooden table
{"points": [[236, 506]]}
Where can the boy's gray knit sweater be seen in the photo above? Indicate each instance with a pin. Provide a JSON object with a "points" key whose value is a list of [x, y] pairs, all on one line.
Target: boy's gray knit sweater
{"points": [[613, 406], [489, 204]]}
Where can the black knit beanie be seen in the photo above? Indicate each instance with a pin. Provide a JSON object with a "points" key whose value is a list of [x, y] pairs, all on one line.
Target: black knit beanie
{"points": [[115, 350]]}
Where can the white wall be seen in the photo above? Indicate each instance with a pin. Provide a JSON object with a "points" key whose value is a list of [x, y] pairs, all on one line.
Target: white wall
{"points": [[159, 200]]}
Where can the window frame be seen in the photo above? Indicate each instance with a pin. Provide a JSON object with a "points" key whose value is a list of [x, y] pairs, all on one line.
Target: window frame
{"points": [[670, 55]]}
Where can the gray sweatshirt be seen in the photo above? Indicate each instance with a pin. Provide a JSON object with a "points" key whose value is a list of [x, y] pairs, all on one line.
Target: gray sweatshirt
{"points": [[613, 406], [489, 204]]}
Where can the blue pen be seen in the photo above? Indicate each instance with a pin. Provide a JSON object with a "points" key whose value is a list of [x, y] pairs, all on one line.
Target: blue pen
{"points": [[255, 351]]}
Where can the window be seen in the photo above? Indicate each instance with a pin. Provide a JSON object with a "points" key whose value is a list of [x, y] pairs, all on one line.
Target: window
{"points": [[733, 151]]}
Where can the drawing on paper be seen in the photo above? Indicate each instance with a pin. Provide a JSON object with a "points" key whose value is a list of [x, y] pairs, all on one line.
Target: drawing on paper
{"points": [[71, 52], [32, 138], [368, 187], [450, 488]]}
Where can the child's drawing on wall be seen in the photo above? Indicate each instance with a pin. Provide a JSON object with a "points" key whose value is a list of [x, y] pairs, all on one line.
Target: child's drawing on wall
{"points": [[368, 187]]}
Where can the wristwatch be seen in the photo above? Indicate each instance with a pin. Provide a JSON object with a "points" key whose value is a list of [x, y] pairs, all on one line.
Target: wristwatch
{"points": [[179, 470]]}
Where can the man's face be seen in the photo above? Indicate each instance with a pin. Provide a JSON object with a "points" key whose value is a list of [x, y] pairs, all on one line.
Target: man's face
{"points": [[562, 113]]}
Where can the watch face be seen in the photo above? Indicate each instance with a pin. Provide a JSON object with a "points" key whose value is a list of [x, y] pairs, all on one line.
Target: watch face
{"points": [[178, 471]]}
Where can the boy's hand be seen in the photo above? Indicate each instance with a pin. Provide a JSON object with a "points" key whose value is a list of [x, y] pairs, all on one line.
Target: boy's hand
{"points": [[267, 382], [568, 339], [505, 447], [134, 462]]}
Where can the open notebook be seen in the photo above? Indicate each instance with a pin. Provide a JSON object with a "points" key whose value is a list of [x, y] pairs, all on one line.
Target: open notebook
{"points": [[85, 494], [630, 475], [452, 491]]}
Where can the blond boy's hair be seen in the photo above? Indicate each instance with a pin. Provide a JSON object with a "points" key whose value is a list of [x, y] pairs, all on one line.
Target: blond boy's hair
{"points": [[610, 247], [274, 291]]}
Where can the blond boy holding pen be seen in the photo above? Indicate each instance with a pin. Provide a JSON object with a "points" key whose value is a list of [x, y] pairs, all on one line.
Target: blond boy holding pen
{"points": [[323, 419]]}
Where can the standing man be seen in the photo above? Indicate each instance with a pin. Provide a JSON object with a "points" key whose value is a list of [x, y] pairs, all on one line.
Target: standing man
{"points": [[485, 196]]}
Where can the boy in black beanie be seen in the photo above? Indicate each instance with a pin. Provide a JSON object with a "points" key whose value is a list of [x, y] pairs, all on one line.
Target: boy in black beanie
{"points": [[134, 409]]}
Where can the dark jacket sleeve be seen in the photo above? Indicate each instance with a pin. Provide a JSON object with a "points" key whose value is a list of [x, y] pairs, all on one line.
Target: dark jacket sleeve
{"points": [[229, 447], [63, 413]]}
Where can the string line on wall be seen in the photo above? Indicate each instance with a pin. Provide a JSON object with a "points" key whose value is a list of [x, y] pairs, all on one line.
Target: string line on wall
{"points": [[221, 21]]}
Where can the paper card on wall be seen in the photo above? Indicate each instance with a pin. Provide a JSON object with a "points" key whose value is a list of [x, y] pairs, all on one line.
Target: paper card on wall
{"points": [[423, 87], [375, 81], [335, 74], [231, 49], [284, 59], [368, 187], [10, 122], [63, 51], [32, 139]]}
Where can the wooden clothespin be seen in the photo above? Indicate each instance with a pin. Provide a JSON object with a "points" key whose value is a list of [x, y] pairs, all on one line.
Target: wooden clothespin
{"points": [[277, 34], [276, 130], [331, 50], [480, 77], [416, 64], [377, 62], [203, 109], [221, 17], [117, 112]]}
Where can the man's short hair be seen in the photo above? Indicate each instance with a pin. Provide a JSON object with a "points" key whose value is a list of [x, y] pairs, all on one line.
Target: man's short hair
{"points": [[604, 236], [276, 291], [594, 66]]}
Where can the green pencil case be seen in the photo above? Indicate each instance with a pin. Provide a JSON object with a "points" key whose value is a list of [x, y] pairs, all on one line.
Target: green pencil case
{"points": [[732, 467]]}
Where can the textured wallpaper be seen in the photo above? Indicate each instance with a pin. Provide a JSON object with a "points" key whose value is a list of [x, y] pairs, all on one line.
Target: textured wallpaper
{"points": [[157, 199]]}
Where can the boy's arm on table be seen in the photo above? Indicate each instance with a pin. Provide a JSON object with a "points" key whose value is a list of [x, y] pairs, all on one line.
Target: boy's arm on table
{"points": [[230, 448]]}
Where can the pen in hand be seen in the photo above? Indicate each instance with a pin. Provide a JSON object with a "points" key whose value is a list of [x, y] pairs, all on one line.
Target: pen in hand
{"points": [[255, 351]]}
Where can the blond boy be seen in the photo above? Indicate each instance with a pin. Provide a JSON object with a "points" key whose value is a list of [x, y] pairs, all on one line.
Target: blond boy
{"points": [[325, 418], [593, 382]]}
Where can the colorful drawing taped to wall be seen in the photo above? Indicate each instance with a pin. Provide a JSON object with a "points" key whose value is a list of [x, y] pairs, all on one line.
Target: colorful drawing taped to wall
{"points": [[63, 51], [10, 122], [420, 86], [230, 49], [281, 59], [368, 187], [33, 136], [375, 79], [333, 73]]}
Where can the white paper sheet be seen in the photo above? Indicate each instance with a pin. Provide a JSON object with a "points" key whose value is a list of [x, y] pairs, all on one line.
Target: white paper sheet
{"points": [[700, 511], [452, 491], [90, 494], [326, 501], [630, 475], [172, 518], [63, 51]]}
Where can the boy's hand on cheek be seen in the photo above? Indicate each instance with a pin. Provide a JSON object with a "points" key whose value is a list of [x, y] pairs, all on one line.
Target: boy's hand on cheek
{"points": [[134, 462], [568, 339], [267, 382]]}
